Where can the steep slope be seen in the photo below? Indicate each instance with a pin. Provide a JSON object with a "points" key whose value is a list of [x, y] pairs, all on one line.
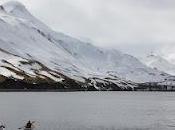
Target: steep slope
{"points": [[157, 62], [31, 50]]}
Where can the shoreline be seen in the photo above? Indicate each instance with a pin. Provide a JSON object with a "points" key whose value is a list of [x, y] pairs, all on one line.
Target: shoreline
{"points": [[76, 90], [39, 90]]}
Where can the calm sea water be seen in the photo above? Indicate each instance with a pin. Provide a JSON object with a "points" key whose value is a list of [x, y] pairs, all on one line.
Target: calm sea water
{"points": [[89, 110]]}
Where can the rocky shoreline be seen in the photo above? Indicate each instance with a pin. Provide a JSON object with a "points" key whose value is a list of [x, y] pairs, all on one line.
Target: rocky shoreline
{"points": [[13, 85]]}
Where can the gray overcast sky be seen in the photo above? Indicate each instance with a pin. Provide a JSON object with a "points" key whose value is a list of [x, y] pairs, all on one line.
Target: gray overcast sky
{"points": [[133, 26]]}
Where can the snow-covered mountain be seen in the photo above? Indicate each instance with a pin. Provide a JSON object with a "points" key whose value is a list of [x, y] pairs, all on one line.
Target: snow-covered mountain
{"points": [[33, 53], [157, 62]]}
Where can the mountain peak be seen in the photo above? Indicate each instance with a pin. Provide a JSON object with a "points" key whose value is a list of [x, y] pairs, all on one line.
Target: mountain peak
{"points": [[16, 8], [157, 61], [13, 5]]}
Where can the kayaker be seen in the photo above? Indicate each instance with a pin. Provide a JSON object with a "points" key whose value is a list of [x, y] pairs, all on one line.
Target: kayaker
{"points": [[28, 125], [2, 127]]}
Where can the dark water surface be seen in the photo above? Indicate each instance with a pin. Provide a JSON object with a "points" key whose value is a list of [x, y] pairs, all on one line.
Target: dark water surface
{"points": [[89, 110]]}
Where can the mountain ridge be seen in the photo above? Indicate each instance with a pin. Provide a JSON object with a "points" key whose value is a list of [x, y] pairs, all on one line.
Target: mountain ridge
{"points": [[156, 61], [30, 50]]}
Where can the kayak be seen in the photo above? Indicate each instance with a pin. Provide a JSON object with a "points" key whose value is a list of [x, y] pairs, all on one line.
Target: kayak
{"points": [[28, 129]]}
